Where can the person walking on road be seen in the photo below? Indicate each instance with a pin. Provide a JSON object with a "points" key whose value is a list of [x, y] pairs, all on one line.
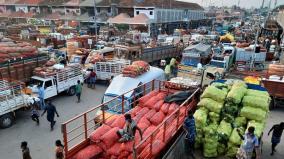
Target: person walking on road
{"points": [[25, 150], [41, 96], [59, 150], [92, 79], [190, 134], [35, 114], [51, 111], [276, 135], [250, 143], [78, 90]]}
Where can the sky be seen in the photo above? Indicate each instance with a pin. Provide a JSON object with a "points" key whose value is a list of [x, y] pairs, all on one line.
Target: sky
{"points": [[243, 3]]}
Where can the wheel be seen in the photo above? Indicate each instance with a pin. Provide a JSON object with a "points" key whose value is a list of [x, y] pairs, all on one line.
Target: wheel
{"points": [[6, 121], [71, 91]]}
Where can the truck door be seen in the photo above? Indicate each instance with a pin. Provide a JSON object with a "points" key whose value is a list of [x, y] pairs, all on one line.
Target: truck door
{"points": [[50, 89]]}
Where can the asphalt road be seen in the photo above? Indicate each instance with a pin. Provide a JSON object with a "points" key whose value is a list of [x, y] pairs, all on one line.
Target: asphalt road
{"points": [[41, 139]]}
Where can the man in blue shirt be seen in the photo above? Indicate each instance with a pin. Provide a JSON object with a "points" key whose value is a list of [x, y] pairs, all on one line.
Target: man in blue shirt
{"points": [[190, 130], [250, 143], [41, 96]]}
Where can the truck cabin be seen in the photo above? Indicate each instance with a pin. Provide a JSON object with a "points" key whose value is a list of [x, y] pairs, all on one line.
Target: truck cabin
{"points": [[49, 85]]}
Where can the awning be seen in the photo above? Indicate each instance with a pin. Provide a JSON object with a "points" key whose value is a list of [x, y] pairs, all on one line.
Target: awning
{"points": [[125, 19]]}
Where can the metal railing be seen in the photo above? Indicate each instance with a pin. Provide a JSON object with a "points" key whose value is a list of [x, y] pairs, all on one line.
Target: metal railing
{"points": [[77, 130]]}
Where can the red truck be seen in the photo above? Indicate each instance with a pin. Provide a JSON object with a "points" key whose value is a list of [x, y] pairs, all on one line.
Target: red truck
{"points": [[76, 131]]}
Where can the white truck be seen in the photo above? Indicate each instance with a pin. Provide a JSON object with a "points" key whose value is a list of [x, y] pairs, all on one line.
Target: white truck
{"points": [[12, 98], [107, 70], [62, 80]]}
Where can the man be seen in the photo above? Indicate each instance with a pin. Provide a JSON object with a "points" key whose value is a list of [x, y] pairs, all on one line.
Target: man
{"points": [[129, 130], [168, 72], [276, 135], [41, 97], [35, 114], [250, 143], [25, 150], [78, 90], [190, 134], [51, 111], [92, 79]]}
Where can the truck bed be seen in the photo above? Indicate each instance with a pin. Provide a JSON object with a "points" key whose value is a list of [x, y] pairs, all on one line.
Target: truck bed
{"points": [[12, 104], [77, 130]]}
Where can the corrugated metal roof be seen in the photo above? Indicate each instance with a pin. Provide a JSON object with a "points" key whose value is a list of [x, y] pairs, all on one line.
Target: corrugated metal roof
{"points": [[124, 18], [29, 2]]}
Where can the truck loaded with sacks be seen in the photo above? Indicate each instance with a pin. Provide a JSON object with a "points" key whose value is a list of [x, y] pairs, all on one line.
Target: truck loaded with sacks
{"points": [[19, 59], [159, 112]]}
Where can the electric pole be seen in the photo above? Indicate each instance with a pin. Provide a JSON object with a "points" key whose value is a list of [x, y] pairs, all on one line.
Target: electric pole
{"points": [[95, 20], [262, 5]]}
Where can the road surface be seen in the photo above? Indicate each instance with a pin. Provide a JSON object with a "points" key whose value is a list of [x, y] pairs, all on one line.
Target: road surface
{"points": [[40, 139]]}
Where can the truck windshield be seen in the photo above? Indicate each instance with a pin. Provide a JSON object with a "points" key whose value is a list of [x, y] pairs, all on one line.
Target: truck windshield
{"points": [[115, 104], [35, 82]]}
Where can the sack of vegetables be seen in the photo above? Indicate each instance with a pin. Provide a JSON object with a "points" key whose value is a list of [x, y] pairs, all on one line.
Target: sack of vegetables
{"points": [[214, 93], [200, 117], [211, 105], [253, 113], [257, 102], [210, 145], [236, 94]]}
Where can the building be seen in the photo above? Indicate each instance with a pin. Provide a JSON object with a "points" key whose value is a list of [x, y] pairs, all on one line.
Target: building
{"points": [[162, 13]]}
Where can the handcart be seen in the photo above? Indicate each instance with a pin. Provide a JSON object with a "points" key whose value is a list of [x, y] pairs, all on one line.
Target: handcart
{"points": [[274, 87]]}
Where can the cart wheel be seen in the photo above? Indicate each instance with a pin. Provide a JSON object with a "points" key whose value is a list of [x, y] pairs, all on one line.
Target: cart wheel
{"points": [[6, 121]]}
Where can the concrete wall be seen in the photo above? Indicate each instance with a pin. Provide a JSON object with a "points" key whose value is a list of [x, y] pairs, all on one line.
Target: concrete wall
{"points": [[280, 18]]}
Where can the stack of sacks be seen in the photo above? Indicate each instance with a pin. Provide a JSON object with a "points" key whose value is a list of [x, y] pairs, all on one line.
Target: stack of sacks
{"points": [[137, 68], [151, 111], [255, 105]]}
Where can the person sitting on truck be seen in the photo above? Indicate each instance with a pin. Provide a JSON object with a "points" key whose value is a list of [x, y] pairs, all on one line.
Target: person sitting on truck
{"points": [[190, 134], [25, 150], [51, 111], [78, 90], [92, 79], [129, 130], [276, 135], [41, 97], [250, 144]]}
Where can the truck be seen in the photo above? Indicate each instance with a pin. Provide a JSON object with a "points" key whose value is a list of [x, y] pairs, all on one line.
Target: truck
{"points": [[150, 55], [12, 98], [62, 80], [77, 130], [21, 69]]}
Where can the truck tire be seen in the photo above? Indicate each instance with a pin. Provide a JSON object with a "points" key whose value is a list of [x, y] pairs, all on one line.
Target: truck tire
{"points": [[71, 91], [6, 121]]}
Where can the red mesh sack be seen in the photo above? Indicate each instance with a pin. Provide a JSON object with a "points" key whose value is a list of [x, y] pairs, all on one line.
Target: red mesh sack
{"points": [[161, 95], [149, 131], [142, 126], [165, 108], [88, 152], [123, 155], [140, 114], [158, 105], [145, 120], [150, 114], [142, 64], [109, 121], [172, 108], [110, 137], [183, 111], [119, 122], [157, 118], [151, 102], [157, 146], [127, 146], [135, 110], [95, 136], [145, 98], [115, 149]]}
